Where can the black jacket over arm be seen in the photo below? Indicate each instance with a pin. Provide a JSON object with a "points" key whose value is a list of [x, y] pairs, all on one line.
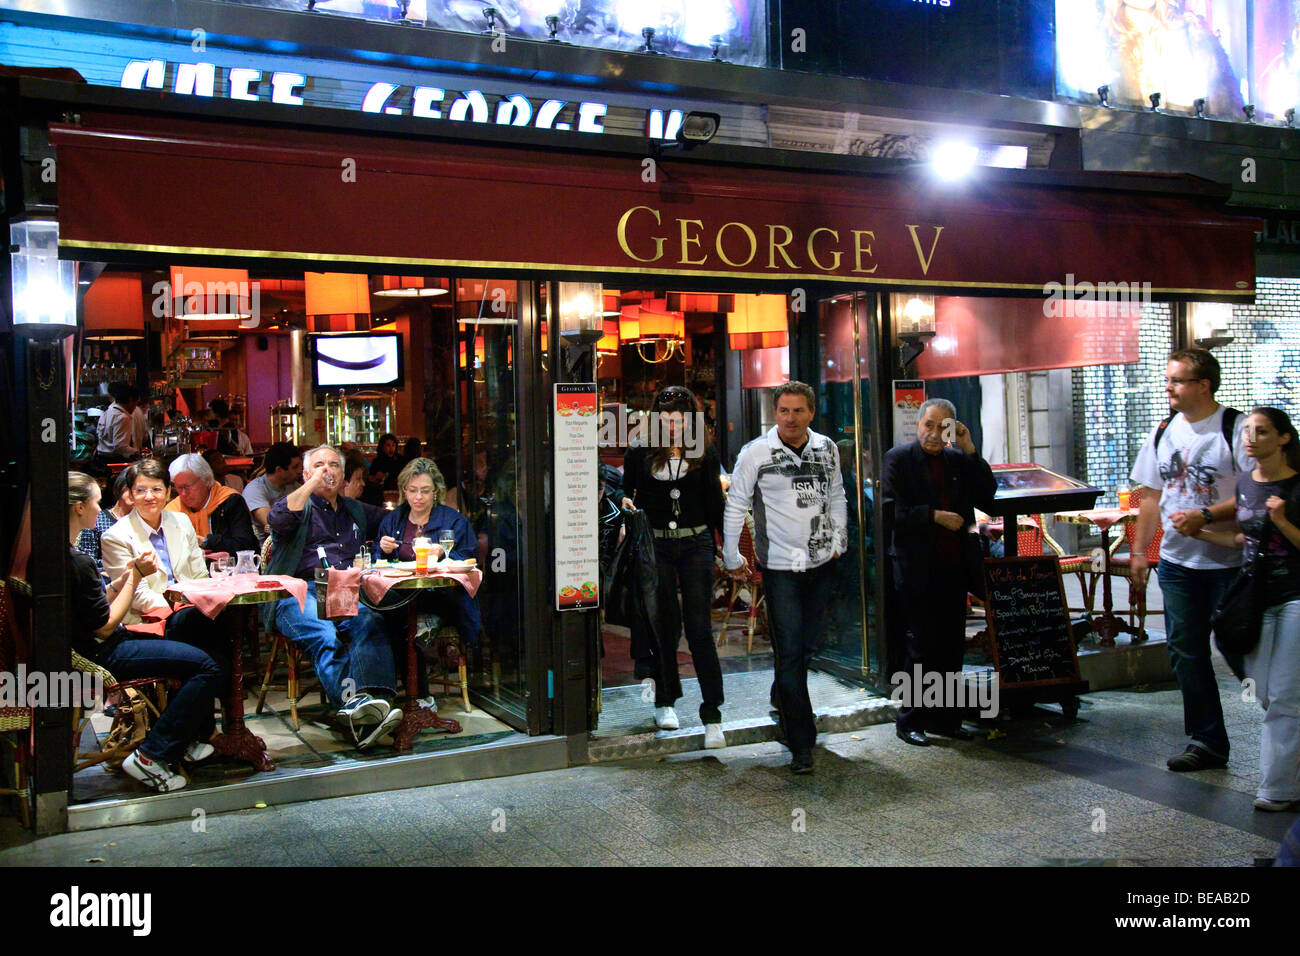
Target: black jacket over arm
{"points": [[909, 499], [230, 528]]}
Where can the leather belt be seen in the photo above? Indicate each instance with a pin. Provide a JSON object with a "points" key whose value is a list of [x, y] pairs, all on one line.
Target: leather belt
{"points": [[678, 532]]}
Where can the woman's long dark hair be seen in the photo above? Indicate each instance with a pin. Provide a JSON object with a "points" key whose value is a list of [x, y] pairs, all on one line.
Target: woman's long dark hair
{"points": [[1281, 423], [674, 398]]}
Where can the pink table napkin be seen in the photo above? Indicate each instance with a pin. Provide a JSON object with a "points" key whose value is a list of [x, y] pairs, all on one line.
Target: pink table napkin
{"points": [[342, 592], [1104, 518], [378, 582], [211, 595]]}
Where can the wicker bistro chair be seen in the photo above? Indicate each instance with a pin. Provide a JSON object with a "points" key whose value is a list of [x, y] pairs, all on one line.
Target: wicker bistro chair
{"points": [[754, 583], [1080, 565], [15, 722], [282, 646], [137, 704]]}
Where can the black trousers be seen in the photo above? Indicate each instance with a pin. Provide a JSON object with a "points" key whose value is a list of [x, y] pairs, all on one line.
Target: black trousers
{"points": [[796, 606], [936, 640]]}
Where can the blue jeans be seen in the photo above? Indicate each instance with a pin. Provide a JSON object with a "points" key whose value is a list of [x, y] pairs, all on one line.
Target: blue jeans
{"points": [[1275, 666], [796, 607], [356, 649], [1190, 596], [196, 651]]}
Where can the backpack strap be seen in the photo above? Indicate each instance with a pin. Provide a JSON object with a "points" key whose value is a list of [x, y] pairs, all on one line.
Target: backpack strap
{"points": [[1160, 430]]}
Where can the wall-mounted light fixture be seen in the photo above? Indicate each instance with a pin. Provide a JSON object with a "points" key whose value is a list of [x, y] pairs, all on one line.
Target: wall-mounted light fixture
{"points": [[44, 286], [716, 42], [648, 33], [1211, 322], [582, 307], [914, 324], [491, 14]]}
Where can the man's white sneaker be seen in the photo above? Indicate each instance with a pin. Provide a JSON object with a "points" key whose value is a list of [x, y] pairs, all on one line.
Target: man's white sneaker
{"points": [[1264, 803], [385, 726], [666, 718], [154, 774], [199, 751], [362, 709], [714, 739]]}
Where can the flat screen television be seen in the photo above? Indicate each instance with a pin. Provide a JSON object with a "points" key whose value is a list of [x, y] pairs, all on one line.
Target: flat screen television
{"points": [[357, 361]]}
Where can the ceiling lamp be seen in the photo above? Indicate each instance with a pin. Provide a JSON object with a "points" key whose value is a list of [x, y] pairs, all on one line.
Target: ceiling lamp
{"points": [[609, 340], [758, 322], [701, 302], [114, 308], [658, 322], [409, 287], [486, 301], [629, 323], [337, 302], [211, 295]]}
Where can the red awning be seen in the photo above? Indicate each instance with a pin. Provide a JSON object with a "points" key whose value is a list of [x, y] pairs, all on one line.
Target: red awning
{"points": [[172, 187]]}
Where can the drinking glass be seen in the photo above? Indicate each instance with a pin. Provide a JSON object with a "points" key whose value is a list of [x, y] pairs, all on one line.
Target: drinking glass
{"points": [[225, 565], [447, 538]]}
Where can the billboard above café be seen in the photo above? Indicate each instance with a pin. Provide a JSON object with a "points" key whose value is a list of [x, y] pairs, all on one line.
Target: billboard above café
{"points": [[1229, 53], [738, 28]]}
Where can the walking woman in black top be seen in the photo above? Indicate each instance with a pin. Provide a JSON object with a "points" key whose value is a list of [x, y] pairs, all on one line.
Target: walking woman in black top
{"points": [[1269, 521], [679, 488]]}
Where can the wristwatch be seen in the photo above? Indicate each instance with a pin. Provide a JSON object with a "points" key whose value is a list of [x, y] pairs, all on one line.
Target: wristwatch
{"points": [[1209, 518]]}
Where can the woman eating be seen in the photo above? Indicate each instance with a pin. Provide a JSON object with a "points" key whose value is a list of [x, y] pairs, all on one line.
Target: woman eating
{"points": [[1268, 514], [183, 729], [422, 514]]}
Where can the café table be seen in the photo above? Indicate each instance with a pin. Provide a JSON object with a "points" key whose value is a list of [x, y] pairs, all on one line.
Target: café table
{"points": [[414, 717], [1108, 625], [236, 740]]}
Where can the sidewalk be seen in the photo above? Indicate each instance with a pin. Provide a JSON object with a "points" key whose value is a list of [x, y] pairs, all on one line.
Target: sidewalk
{"points": [[1039, 793]]}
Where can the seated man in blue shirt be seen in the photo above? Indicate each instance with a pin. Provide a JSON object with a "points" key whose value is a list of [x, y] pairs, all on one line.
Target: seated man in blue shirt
{"points": [[353, 659]]}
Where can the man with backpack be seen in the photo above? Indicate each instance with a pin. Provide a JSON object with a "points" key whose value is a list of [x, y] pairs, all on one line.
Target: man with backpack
{"points": [[1187, 470]]}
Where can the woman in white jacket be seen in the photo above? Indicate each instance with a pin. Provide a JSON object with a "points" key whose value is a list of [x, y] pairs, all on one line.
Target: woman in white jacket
{"points": [[147, 527]]}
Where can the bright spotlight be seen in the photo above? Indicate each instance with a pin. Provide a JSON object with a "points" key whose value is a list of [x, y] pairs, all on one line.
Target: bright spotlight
{"points": [[953, 160]]}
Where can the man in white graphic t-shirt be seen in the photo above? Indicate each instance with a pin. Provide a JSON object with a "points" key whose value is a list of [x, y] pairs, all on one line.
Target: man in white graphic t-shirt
{"points": [[1188, 469]]}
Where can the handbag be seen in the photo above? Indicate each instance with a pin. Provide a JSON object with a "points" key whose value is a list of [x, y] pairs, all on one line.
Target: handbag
{"points": [[1238, 619]]}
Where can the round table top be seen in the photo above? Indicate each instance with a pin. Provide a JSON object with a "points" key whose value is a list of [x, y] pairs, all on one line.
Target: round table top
{"points": [[1111, 516], [260, 596]]}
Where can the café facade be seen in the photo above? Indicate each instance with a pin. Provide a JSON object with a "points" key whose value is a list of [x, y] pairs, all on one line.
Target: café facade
{"points": [[531, 218]]}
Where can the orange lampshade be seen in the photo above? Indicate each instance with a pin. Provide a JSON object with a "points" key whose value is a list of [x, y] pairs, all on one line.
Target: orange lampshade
{"points": [[629, 323], [700, 302], [114, 308], [612, 305], [217, 300], [758, 322], [660, 322], [337, 302], [608, 344], [407, 286], [486, 300]]}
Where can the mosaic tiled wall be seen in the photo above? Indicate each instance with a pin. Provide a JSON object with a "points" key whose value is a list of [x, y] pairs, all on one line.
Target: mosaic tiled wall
{"points": [[1116, 406]]}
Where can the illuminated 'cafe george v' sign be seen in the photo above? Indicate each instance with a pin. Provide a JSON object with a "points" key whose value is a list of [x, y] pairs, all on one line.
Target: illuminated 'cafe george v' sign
{"points": [[288, 88]]}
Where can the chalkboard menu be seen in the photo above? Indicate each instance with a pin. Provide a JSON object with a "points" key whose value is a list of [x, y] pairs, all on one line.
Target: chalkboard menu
{"points": [[1028, 622]]}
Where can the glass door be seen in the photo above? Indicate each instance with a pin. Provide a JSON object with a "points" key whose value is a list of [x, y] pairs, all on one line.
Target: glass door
{"points": [[843, 344]]}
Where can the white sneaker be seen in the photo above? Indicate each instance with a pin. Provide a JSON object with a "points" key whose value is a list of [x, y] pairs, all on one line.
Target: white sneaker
{"points": [[666, 718], [714, 739], [428, 703], [385, 726], [362, 709], [154, 774], [199, 751], [1264, 803]]}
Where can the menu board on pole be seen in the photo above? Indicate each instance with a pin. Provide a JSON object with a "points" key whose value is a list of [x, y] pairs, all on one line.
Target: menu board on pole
{"points": [[577, 494], [908, 396]]}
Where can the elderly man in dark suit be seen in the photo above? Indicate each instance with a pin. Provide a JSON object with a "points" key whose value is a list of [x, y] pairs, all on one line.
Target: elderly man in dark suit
{"points": [[929, 493]]}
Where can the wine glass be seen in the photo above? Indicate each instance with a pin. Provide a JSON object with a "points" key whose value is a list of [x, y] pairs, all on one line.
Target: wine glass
{"points": [[447, 538]]}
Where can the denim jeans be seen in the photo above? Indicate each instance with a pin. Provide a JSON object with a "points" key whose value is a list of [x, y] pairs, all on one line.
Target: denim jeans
{"points": [[356, 649], [195, 651], [1274, 665], [685, 567], [796, 607], [1190, 597]]}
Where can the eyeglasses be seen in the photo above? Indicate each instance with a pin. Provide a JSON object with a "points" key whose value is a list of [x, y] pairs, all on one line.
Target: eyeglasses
{"points": [[148, 492], [1183, 381]]}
